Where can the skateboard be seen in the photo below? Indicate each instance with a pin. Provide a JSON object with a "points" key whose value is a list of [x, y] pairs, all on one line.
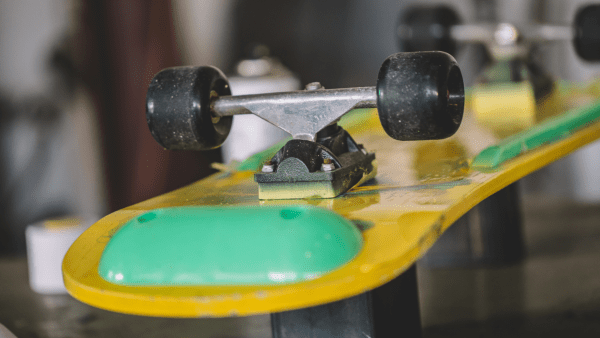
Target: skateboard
{"points": [[337, 247], [370, 179]]}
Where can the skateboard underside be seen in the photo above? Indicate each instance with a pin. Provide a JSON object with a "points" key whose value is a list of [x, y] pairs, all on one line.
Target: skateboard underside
{"points": [[421, 188]]}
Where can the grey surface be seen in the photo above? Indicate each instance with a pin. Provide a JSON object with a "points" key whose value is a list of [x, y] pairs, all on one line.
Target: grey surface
{"points": [[555, 292], [28, 314], [301, 113]]}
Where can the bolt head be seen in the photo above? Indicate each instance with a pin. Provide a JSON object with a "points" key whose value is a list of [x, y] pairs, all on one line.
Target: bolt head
{"points": [[327, 166], [506, 34], [313, 86], [268, 167]]}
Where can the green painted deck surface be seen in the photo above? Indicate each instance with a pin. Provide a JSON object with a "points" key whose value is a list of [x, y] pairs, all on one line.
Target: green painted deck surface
{"points": [[547, 132], [229, 246]]}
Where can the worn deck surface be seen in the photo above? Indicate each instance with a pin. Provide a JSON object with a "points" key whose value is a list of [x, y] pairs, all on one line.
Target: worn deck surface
{"points": [[421, 188]]}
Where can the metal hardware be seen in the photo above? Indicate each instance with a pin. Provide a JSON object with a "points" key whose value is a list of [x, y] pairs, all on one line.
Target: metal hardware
{"points": [[268, 167], [301, 113], [314, 86], [327, 165]]}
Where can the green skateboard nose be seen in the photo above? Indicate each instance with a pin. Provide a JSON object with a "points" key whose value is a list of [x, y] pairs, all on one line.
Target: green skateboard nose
{"points": [[229, 246]]}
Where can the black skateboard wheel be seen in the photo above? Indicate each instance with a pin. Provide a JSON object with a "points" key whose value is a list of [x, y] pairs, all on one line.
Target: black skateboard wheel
{"points": [[420, 96], [587, 33], [427, 29], [178, 108]]}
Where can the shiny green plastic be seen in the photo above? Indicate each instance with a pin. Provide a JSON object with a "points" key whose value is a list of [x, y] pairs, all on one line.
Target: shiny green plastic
{"points": [[547, 132], [229, 246]]}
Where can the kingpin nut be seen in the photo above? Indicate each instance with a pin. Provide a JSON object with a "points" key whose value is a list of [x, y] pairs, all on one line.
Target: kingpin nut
{"points": [[327, 165], [268, 167]]}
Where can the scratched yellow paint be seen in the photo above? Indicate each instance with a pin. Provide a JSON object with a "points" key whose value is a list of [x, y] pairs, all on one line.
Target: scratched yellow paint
{"points": [[404, 209]]}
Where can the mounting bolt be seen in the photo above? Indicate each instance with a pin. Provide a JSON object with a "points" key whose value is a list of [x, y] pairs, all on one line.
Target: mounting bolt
{"points": [[327, 165], [506, 34], [313, 86], [268, 167]]}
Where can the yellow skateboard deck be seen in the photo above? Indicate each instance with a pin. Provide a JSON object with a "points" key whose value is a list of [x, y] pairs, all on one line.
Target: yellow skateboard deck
{"points": [[421, 188]]}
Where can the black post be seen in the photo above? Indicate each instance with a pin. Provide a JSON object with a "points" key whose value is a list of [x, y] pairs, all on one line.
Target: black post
{"points": [[391, 310], [489, 234]]}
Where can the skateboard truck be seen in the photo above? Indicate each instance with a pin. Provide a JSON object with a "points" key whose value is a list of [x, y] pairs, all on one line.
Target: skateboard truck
{"points": [[510, 46], [419, 96]]}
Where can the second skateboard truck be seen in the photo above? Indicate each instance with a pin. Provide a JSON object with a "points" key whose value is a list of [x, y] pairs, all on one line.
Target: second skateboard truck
{"points": [[419, 96]]}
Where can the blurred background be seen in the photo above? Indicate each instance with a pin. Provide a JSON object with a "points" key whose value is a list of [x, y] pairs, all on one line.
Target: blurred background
{"points": [[74, 139]]}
